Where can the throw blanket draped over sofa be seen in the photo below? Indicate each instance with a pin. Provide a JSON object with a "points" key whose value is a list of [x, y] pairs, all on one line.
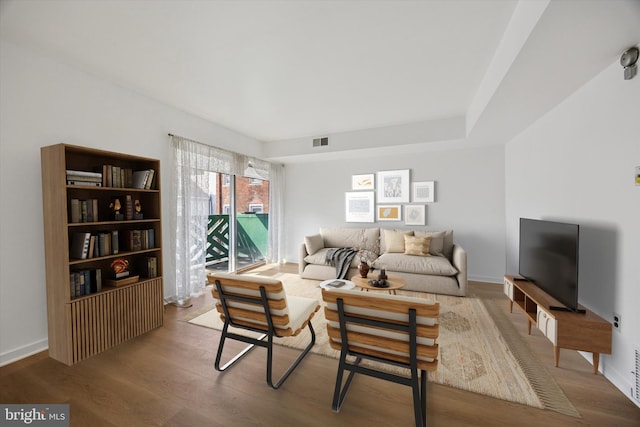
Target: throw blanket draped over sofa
{"points": [[428, 261]]}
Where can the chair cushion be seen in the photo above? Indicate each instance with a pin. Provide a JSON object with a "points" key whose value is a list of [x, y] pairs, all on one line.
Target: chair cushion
{"points": [[300, 310]]}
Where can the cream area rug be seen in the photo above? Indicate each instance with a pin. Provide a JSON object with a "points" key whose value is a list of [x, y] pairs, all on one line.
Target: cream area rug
{"points": [[480, 350]]}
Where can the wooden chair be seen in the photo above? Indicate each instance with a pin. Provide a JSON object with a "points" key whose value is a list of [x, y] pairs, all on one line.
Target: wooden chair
{"points": [[260, 305], [388, 329]]}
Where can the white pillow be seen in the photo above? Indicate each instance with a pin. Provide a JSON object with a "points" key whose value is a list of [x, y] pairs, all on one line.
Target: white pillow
{"points": [[313, 243], [394, 240]]}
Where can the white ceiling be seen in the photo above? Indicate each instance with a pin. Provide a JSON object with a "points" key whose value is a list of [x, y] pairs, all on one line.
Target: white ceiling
{"points": [[283, 71]]}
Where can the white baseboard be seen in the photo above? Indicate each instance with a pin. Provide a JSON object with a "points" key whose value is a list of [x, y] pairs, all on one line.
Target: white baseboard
{"points": [[23, 352], [486, 279], [614, 377]]}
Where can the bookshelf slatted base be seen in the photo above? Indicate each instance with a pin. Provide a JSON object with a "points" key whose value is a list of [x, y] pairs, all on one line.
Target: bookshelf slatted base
{"points": [[101, 321]]}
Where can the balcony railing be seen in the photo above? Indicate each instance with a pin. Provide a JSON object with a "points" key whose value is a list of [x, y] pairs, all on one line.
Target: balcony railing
{"points": [[252, 238]]}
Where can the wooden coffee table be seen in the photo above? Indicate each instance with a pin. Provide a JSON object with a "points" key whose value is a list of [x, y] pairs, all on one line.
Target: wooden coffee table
{"points": [[393, 283]]}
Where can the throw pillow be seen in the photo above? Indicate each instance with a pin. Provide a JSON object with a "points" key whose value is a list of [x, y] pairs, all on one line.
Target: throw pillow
{"points": [[394, 241], [313, 243], [417, 245]]}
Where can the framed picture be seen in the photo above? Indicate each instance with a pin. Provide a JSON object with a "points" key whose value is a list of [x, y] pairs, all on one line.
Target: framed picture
{"points": [[389, 213], [359, 206], [393, 186], [423, 192], [414, 215], [362, 182]]}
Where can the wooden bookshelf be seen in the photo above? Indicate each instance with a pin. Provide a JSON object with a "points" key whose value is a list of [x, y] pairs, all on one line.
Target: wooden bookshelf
{"points": [[577, 331], [89, 319]]}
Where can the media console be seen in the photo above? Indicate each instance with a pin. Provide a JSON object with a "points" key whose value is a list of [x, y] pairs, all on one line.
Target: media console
{"points": [[576, 331]]}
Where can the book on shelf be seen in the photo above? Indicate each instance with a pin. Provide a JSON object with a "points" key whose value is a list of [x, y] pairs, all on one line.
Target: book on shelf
{"points": [[128, 207], [84, 183], [80, 245], [150, 267], [115, 246], [140, 178], [85, 282], [84, 173], [149, 181], [75, 211]]}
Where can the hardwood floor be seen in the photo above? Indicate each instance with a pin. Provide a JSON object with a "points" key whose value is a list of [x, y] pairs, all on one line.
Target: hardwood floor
{"points": [[166, 377]]}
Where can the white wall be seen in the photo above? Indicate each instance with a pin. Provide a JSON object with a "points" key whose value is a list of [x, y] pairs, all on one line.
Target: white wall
{"points": [[45, 103], [469, 200], [576, 164]]}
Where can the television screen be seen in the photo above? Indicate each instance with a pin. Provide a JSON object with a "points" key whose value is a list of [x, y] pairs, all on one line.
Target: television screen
{"points": [[549, 258]]}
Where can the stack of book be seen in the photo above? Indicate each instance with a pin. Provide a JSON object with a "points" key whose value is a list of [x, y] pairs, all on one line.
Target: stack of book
{"points": [[86, 245], [85, 282], [116, 176], [150, 267], [84, 210], [92, 179]]}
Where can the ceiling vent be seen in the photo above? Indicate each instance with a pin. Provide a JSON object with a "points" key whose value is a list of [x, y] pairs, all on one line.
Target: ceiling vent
{"points": [[319, 142]]}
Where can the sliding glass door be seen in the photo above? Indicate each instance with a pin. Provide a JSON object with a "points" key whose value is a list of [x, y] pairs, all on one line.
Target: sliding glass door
{"points": [[238, 222]]}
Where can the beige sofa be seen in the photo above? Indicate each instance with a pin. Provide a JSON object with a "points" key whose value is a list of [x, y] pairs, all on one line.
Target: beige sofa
{"points": [[443, 270]]}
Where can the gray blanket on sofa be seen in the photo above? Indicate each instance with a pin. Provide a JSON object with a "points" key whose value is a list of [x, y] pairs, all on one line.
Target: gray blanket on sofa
{"points": [[341, 258]]}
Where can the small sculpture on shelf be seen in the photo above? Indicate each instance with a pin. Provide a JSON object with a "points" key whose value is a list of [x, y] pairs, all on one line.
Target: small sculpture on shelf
{"points": [[119, 267], [115, 207], [137, 210]]}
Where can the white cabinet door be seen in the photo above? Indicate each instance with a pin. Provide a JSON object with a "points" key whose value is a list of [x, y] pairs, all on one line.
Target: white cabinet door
{"points": [[547, 325]]}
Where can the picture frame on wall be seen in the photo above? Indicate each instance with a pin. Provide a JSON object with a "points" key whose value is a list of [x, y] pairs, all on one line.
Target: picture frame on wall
{"points": [[389, 213], [363, 182], [359, 206], [393, 186], [424, 192], [414, 215]]}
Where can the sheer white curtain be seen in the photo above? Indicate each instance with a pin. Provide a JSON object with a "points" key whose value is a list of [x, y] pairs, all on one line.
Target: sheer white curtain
{"points": [[193, 162], [276, 236]]}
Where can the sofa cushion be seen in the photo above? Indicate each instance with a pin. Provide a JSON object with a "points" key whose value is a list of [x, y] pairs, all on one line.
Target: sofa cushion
{"points": [[417, 245], [313, 243], [359, 238], [433, 265], [436, 246], [394, 240]]}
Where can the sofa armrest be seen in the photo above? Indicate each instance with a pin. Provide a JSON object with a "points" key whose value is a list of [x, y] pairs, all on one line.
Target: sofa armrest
{"points": [[301, 262], [459, 261]]}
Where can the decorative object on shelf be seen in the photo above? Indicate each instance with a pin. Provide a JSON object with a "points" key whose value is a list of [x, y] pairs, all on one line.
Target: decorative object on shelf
{"points": [[414, 215], [359, 206], [137, 210], [389, 213], [393, 186], [424, 192], [115, 207], [363, 268], [362, 182], [119, 267]]}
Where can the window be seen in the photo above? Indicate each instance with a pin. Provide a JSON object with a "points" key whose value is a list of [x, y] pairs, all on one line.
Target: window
{"points": [[256, 208]]}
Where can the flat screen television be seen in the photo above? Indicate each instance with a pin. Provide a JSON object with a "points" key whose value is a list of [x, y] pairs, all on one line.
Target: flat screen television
{"points": [[549, 259]]}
